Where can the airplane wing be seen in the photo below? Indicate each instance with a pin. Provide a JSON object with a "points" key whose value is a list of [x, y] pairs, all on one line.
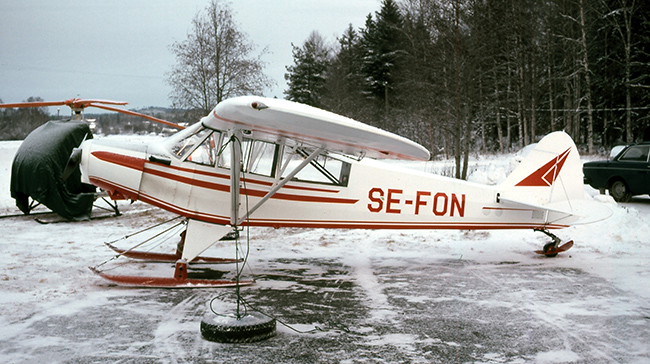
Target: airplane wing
{"points": [[310, 125]]}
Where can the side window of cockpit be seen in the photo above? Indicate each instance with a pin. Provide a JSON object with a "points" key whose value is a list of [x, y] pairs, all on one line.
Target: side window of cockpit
{"points": [[206, 152], [323, 169], [224, 158], [258, 157], [186, 145]]}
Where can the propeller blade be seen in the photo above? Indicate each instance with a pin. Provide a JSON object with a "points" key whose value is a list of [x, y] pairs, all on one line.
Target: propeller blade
{"points": [[73, 163]]}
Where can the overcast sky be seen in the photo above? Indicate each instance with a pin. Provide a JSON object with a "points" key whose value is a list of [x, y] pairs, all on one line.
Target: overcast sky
{"points": [[119, 49]]}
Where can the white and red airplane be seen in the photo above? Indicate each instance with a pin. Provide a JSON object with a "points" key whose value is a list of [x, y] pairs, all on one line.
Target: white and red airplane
{"points": [[299, 166]]}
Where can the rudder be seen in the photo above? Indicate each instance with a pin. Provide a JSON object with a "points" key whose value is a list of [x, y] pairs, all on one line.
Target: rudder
{"points": [[551, 173]]}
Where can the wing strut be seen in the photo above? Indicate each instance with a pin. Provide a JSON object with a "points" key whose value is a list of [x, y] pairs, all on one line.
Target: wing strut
{"points": [[273, 190], [235, 176]]}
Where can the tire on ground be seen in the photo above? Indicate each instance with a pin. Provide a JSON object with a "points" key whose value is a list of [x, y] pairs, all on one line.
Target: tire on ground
{"points": [[547, 248], [619, 191], [252, 327]]}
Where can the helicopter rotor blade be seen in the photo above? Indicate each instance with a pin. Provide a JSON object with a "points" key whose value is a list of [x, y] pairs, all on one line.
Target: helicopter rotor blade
{"points": [[82, 103], [76, 103], [128, 112], [73, 103], [33, 104]]}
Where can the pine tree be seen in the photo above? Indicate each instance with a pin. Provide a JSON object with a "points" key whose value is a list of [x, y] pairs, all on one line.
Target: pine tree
{"points": [[345, 81], [306, 78], [383, 41]]}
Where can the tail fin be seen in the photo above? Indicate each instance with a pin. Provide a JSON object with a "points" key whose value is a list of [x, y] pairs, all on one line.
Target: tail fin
{"points": [[551, 174]]}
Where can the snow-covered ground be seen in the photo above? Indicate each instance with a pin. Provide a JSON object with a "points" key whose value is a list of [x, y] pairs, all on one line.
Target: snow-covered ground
{"points": [[379, 296]]}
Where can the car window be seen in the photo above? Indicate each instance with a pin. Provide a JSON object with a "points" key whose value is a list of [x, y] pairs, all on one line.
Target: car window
{"points": [[636, 153]]}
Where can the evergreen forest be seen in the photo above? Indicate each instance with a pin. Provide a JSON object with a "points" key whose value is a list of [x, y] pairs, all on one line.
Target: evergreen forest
{"points": [[477, 76]]}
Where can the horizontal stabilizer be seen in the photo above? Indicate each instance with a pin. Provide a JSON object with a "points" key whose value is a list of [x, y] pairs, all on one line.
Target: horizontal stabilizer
{"points": [[550, 213], [529, 206]]}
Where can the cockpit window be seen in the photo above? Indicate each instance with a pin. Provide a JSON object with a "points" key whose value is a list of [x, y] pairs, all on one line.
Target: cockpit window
{"points": [[206, 152], [258, 157], [269, 159], [199, 146], [185, 145], [323, 169], [209, 147]]}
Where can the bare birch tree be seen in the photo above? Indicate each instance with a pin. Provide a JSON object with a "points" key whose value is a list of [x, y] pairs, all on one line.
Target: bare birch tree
{"points": [[215, 62]]}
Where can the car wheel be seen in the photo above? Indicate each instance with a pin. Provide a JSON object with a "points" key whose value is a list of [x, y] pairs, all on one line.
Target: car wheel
{"points": [[619, 191]]}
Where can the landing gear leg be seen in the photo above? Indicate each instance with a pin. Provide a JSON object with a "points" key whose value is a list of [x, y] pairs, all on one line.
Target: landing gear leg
{"points": [[552, 248]]}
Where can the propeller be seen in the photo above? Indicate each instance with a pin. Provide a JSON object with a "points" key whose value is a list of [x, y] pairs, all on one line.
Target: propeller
{"points": [[80, 104], [73, 163]]}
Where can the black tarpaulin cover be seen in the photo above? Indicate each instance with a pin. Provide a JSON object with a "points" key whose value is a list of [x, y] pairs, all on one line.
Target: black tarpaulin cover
{"points": [[38, 166]]}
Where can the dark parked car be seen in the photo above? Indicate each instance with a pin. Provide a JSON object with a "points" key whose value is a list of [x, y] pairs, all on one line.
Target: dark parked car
{"points": [[627, 175]]}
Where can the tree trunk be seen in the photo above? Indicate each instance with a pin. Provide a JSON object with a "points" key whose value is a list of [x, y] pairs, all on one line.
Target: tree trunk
{"points": [[628, 91], [498, 109], [508, 103], [457, 152], [520, 107], [533, 105], [585, 64], [549, 75]]}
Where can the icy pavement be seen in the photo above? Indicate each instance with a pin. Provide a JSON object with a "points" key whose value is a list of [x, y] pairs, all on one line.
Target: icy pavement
{"points": [[372, 296]]}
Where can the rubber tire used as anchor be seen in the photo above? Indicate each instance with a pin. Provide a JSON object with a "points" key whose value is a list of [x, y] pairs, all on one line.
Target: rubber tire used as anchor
{"points": [[252, 327]]}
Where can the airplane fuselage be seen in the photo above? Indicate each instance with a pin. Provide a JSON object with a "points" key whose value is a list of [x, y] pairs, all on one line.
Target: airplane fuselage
{"points": [[365, 194]]}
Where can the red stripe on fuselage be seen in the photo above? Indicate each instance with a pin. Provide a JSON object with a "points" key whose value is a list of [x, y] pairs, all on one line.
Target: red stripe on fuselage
{"points": [[120, 159], [245, 179], [138, 164]]}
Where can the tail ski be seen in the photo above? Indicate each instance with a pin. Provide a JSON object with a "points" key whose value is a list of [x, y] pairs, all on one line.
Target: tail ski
{"points": [[549, 178]]}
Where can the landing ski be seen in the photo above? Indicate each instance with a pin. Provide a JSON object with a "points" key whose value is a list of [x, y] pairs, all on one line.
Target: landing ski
{"points": [[58, 219], [163, 257], [162, 282], [31, 214]]}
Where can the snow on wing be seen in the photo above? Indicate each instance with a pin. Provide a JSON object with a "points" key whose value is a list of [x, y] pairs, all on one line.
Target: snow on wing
{"points": [[314, 126]]}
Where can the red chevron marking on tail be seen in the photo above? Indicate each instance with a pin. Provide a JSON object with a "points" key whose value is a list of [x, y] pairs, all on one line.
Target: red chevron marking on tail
{"points": [[546, 175]]}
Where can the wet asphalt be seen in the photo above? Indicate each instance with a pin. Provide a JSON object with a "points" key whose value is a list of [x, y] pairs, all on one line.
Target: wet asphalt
{"points": [[388, 311]]}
